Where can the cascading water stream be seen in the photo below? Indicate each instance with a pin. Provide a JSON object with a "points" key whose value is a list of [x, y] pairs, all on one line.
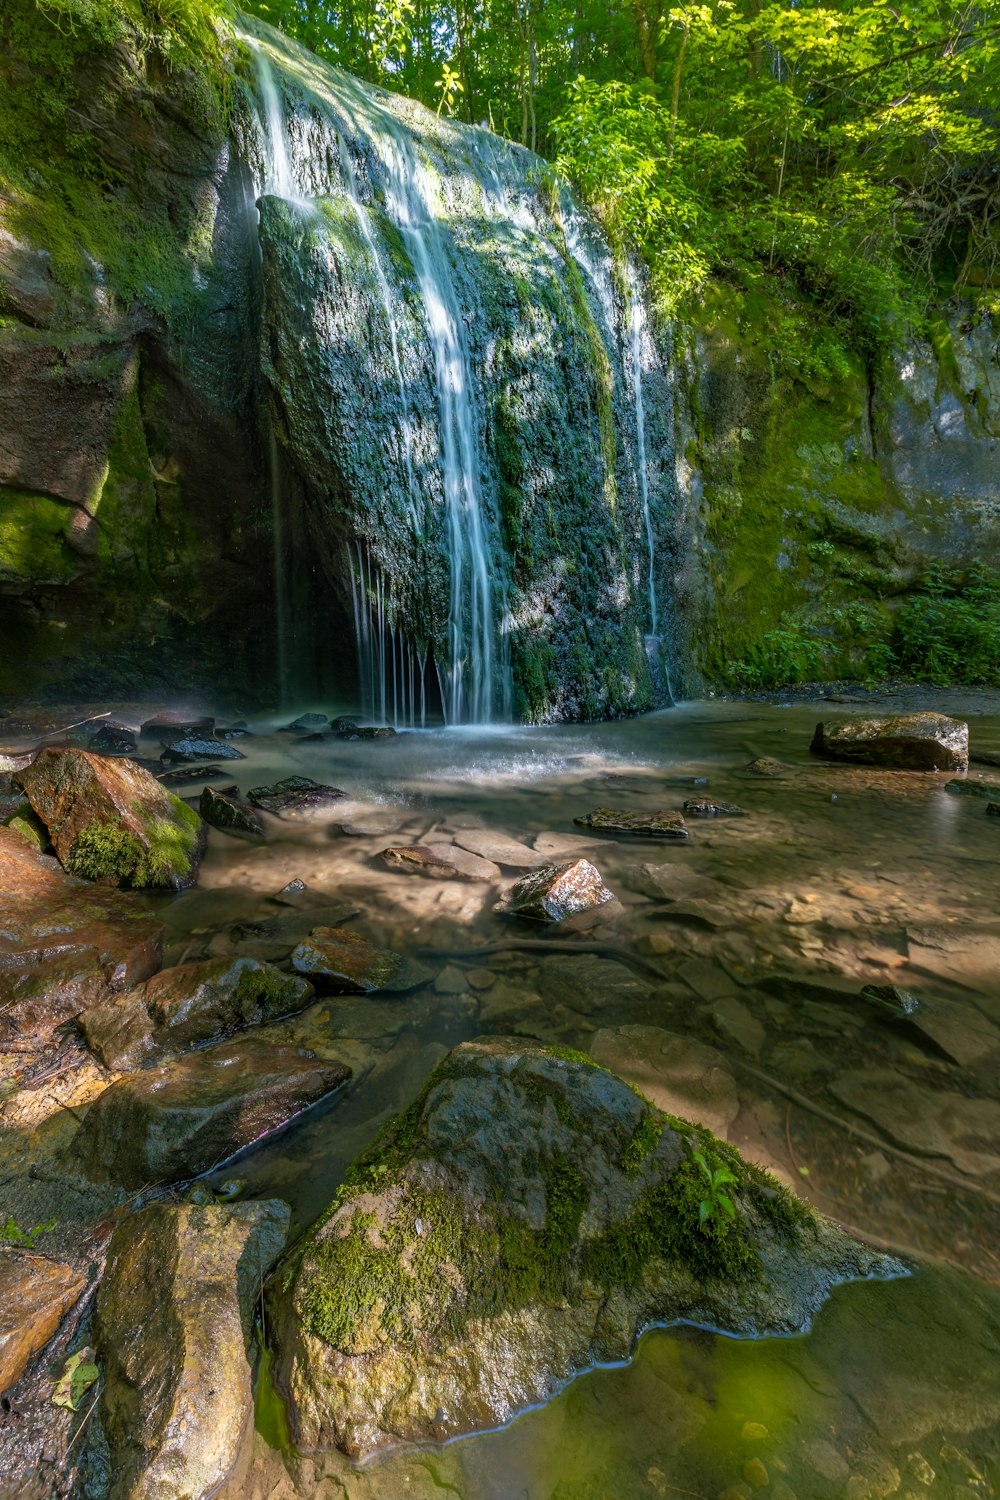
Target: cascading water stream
{"points": [[637, 322], [278, 177], [388, 303]]}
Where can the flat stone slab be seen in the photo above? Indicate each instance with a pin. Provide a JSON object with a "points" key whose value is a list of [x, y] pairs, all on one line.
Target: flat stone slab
{"points": [[296, 797], [343, 962], [194, 748], [174, 1323], [499, 849], [587, 983], [901, 742], [972, 786], [472, 866], [556, 892], [438, 862], [654, 825], [35, 1296], [928, 1121], [192, 1003], [681, 1076], [64, 944], [178, 1121]]}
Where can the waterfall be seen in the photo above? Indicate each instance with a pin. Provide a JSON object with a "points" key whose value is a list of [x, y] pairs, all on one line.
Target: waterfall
{"points": [[637, 322], [388, 304], [392, 673], [278, 179]]}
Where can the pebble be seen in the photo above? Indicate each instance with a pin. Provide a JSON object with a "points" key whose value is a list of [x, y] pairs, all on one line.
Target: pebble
{"points": [[753, 1432], [755, 1473], [481, 979]]}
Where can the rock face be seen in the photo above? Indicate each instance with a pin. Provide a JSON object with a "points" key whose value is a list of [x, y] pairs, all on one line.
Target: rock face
{"points": [[902, 742], [526, 1217], [64, 944], [348, 964], [177, 1121], [556, 892], [35, 1296], [174, 1323], [110, 820], [197, 1002]]}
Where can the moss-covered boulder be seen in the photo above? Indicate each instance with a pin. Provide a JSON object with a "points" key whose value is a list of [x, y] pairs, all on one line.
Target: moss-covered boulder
{"points": [[110, 820], [529, 1215], [903, 742], [192, 1003]]}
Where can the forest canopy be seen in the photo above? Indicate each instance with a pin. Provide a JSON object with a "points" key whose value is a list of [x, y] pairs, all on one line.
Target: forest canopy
{"points": [[852, 148]]}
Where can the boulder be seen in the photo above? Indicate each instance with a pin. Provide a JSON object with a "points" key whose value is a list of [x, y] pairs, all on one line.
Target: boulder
{"points": [[178, 1121], [902, 742], [174, 1324], [307, 724], [556, 892], [525, 1219], [196, 1002], [367, 732], [346, 963], [229, 814], [295, 797], [655, 825], [35, 1296], [103, 737], [110, 820], [64, 944]]}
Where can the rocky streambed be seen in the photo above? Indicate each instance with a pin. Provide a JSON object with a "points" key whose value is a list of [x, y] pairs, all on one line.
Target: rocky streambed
{"points": [[477, 1054]]}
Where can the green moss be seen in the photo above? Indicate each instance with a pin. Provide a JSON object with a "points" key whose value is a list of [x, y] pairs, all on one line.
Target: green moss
{"points": [[260, 990], [604, 382], [33, 546], [426, 1262], [162, 855], [644, 1141]]}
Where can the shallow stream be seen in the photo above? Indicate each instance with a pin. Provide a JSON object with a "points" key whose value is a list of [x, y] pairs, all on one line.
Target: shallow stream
{"points": [[752, 938]]}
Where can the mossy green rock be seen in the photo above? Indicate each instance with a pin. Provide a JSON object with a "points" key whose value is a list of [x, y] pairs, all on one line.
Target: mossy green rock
{"points": [[110, 820], [527, 1217], [192, 1003]]}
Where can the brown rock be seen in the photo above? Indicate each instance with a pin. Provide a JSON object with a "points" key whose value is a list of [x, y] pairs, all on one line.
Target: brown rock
{"points": [[35, 1296], [64, 944], [110, 820], [348, 964], [196, 1002], [655, 825], [177, 1121], [556, 892], [295, 797], [500, 849], [439, 862], [903, 742], [174, 1323]]}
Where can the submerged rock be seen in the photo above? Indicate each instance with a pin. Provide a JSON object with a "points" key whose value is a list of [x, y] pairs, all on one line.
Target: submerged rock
{"points": [[439, 861], [367, 732], [35, 1295], [993, 810], [178, 1121], [526, 1218], [657, 825], [174, 1325], [499, 849], [679, 1075], [64, 944], [893, 1000], [697, 807], [973, 787], [110, 820], [196, 1002], [193, 747], [348, 964], [767, 766], [227, 813], [307, 724], [902, 742], [556, 892], [295, 797]]}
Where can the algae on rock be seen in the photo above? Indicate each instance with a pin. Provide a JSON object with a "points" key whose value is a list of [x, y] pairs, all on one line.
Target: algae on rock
{"points": [[528, 1215]]}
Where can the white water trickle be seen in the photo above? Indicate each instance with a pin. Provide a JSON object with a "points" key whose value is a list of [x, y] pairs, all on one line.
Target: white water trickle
{"points": [[468, 686], [278, 178], [389, 306], [637, 322]]}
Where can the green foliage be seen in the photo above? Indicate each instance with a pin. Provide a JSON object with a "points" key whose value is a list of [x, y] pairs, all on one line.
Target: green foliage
{"points": [[79, 1373], [716, 1201], [13, 1234], [950, 631], [779, 658]]}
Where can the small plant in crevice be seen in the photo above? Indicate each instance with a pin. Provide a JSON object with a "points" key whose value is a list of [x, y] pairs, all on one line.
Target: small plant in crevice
{"points": [[13, 1234], [716, 1201]]}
